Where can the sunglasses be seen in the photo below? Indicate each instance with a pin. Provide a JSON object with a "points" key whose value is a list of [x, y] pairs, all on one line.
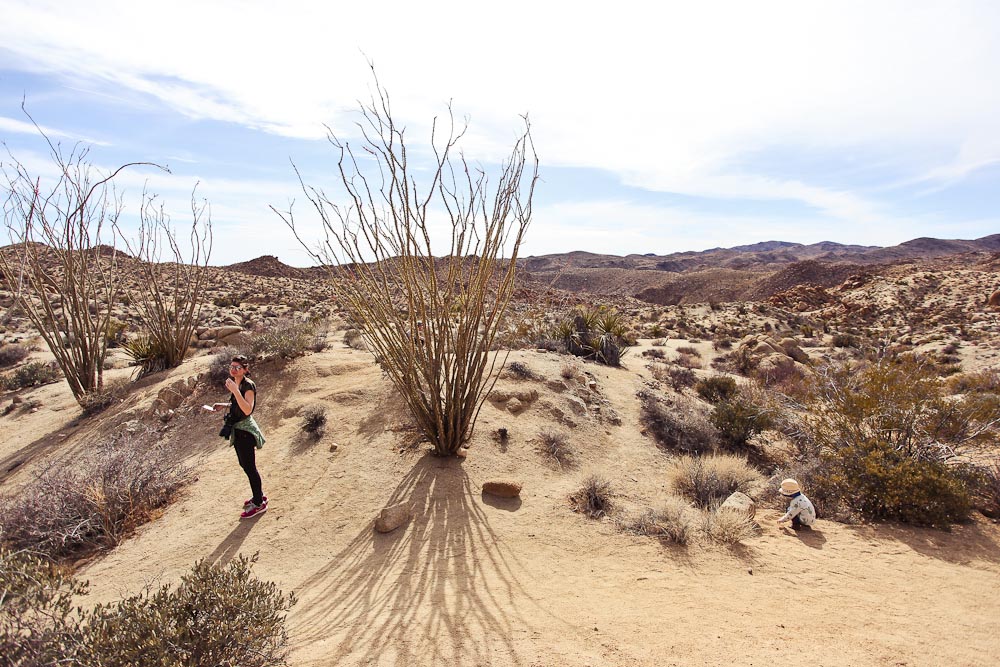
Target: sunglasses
{"points": [[235, 367]]}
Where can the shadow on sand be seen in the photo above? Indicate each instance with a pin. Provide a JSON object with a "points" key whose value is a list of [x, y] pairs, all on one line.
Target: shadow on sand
{"points": [[442, 590]]}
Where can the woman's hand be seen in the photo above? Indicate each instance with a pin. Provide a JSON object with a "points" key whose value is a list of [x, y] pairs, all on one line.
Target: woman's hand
{"points": [[218, 407], [232, 386]]}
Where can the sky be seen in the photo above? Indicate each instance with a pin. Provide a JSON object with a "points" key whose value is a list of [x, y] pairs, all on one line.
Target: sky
{"points": [[660, 126]]}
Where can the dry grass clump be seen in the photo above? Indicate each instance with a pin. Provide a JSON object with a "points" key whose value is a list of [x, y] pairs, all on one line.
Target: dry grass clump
{"points": [[93, 502], [689, 351], [677, 424], [708, 479], [556, 446], [671, 520], [688, 360], [594, 498], [355, 339], [729, 527], [569, 371]]}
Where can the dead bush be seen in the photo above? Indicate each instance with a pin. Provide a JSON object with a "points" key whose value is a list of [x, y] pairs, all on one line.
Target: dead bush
{"points": [[729, 527], [708, 479], [13, 353], [355, 339], [94, 501], [678, 423], [112, 393], [556, 446], [688, 361], [594, 497], [670, 520]]}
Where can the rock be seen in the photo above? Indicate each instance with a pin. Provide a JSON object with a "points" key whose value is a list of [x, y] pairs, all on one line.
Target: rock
{"points": [[556, 385], [995, 299], [515, 407], [504, 488], [225, 332], [792, 349], [740, 503], [577, 405], [392, 517]]}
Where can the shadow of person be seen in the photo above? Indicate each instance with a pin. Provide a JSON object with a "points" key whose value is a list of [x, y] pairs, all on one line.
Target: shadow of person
{"points": [[811, 537], [444, 590], [230, 546]]}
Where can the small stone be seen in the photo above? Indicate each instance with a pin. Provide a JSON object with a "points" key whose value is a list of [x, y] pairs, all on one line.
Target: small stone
{"points": [[502, 488], [334, 446], [392, 517]]}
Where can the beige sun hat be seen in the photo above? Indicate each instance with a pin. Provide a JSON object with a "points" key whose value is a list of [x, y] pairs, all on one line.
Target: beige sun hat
{"points": [[789, 487]]}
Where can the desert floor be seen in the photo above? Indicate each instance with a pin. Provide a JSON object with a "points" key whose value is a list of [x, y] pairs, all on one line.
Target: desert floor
{"points": [[474, 580]]}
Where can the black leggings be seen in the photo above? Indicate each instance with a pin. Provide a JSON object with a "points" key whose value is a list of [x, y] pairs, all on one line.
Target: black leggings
{"points": [[246, 446]]}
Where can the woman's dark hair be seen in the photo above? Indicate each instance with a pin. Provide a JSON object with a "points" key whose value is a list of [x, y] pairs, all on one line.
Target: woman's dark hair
{"points": [[242, 360]]}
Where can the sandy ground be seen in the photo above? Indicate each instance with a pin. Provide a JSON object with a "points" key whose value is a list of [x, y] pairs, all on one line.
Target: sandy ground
{"points": [[474, 580]]}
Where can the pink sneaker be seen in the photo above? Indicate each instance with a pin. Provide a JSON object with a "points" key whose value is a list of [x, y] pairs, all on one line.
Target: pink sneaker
{"points": [[249, 501], [253, 510]]}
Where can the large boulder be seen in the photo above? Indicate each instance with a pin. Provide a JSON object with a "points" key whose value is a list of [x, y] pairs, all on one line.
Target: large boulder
{"points": [[740, 503], [995, 299], [502, 488], [392, 517]]}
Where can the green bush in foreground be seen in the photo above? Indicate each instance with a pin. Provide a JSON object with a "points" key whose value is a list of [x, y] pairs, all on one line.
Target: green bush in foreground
{"points": [[204, 620]]}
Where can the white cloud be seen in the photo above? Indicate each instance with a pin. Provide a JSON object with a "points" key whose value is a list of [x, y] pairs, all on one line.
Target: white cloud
{"points": [[672, 97], [24, 127]]}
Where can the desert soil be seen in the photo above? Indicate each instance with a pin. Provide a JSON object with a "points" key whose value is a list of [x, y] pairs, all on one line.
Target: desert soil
{"points": [[475, 580]]}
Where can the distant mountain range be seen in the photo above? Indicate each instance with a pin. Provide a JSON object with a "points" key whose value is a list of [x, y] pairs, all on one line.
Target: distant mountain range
{"points": [[748, 272]]}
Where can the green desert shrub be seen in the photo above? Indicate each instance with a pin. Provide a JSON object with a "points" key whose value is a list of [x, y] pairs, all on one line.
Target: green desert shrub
{"points": [[739, 419], [887, 439], [883, 484], [598, 334], [707, 479], [32, 374], [716, 389], [286, 339], [217, 615], [38, 623], [521, 371], [194, 624]]}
